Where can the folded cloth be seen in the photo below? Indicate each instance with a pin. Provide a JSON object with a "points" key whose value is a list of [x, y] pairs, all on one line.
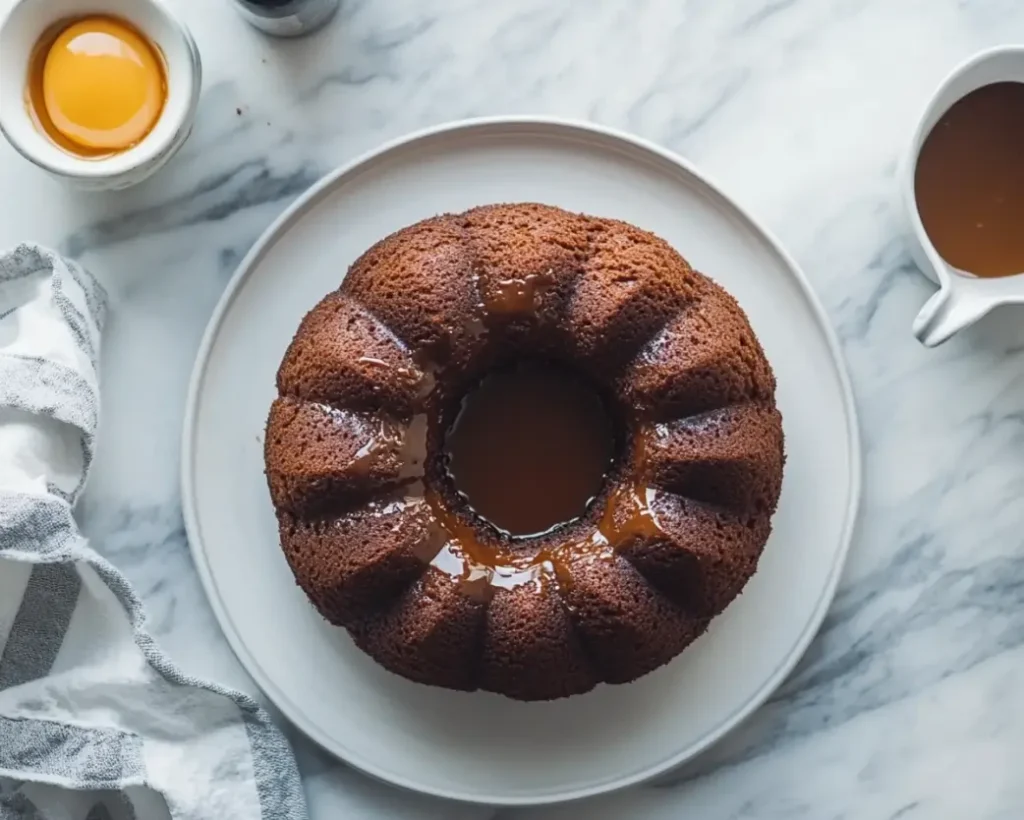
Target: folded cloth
{"points": [[88, 703]]}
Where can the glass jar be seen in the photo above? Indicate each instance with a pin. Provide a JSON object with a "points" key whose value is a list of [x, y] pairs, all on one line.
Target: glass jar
{"points": [[287, 18]]}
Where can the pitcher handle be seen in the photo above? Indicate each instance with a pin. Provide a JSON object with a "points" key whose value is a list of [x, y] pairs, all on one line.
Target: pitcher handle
{"points": [[947, 312]]}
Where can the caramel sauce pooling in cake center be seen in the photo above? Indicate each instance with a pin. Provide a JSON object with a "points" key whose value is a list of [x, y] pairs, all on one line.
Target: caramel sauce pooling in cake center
{"points": [[530, 448]]}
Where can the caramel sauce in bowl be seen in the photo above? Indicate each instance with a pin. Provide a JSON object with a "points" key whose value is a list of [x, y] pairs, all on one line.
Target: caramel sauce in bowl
{"points": [[963, 185], [99, 95]]}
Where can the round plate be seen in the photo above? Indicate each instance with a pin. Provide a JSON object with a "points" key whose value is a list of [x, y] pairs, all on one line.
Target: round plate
{"points": [[481, 747]]}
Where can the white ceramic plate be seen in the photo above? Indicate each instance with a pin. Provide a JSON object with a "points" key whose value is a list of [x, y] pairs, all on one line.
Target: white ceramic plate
{"points": [[482, 747]]}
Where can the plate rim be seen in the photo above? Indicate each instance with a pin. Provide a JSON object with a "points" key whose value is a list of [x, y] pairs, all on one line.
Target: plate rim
{"points": [[562, 127]]}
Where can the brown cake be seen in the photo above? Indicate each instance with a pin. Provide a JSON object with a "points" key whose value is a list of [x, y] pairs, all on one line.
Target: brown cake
{"points": [[364, 467]]}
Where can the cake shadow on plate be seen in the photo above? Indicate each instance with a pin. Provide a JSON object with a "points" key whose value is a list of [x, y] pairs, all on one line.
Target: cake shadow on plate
{"points": [[380, 524]]}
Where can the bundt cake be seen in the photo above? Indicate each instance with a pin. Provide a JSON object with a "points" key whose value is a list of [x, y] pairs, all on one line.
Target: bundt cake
{"points": [[363, 458]]}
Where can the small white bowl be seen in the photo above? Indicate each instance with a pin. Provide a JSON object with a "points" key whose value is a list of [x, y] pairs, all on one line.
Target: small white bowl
{"points": [[26, 23]]}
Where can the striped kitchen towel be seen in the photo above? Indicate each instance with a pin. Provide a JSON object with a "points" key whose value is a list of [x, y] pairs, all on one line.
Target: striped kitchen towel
{"points": [[95, 722]]}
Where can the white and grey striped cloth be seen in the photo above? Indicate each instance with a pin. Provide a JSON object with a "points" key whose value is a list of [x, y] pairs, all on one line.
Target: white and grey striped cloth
{"points": [[95, 722]]}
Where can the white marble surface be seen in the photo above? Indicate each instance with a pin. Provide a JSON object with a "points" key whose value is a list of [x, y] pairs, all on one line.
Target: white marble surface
{"points": [[910, 704]]}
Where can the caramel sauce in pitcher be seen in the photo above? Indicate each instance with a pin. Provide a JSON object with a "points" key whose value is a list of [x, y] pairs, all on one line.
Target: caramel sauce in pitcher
{"points": [[969, 182]]}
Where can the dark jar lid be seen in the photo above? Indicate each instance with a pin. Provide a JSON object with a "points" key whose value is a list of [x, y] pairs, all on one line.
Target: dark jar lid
{"points": [[287, 18]]}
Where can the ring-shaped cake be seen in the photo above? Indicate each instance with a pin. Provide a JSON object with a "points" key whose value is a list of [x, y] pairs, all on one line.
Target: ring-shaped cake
{"points": [[383, 543]]}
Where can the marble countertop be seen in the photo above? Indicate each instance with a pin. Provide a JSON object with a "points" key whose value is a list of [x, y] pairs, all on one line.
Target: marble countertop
{"points": [[910, 703]]}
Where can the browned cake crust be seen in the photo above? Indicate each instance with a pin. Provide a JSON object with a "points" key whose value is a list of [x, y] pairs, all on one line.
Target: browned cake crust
{"points": [[370, 380]]}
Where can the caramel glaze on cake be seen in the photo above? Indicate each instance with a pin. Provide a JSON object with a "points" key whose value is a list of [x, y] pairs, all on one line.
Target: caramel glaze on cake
{"points": [[381, 542]]}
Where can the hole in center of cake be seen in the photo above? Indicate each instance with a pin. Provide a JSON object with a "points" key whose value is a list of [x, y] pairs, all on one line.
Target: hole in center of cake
{"points": [[530, 448]]}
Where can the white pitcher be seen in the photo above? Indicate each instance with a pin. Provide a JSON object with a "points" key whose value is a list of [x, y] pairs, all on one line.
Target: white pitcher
{"points": [[962, 298]]}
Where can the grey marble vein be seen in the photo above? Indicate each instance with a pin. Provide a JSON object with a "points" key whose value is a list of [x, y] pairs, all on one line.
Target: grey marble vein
{"points": [[248, 184]]}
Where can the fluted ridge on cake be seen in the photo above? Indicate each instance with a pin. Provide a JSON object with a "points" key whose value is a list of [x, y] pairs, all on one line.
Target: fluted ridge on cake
{"points": [[419, 283], [705, 359], [359, 563], [525, 260], [730, 457], [531, 650], [633, 284], [703, 556], [626, 625], [345, 357], [320, 459], [433, 634]]}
